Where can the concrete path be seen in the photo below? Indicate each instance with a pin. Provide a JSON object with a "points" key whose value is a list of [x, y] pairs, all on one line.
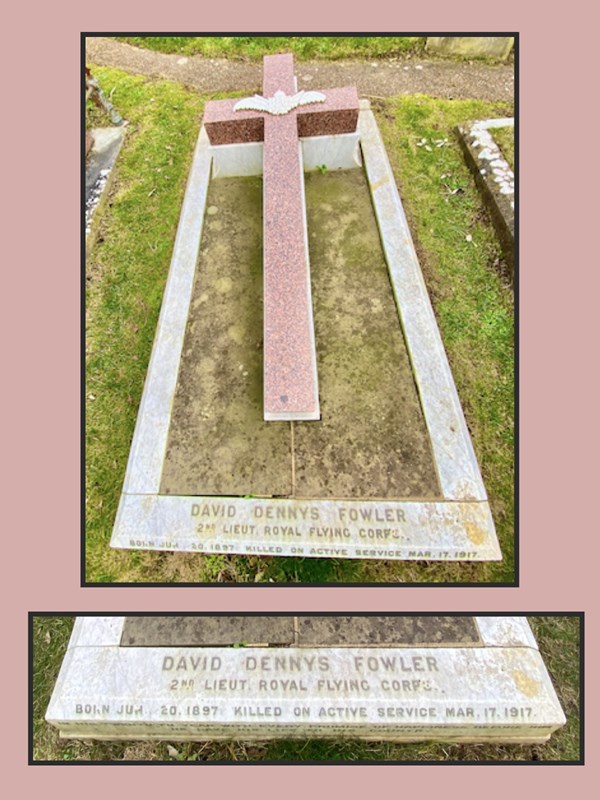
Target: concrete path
{"points": [[384, 78]]}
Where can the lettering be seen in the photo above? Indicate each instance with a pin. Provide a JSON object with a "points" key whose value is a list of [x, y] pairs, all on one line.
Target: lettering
{"points": [[191, 663], [396, 663], [212, 510], [343, 712], [287, 663], [344, 685], [406, 712], [282, 684], [296, 512], [91, 708], [226, 684], [257, 711], [371, 514], [281, 530], [460, 712], [329, 533], [239, 530]]}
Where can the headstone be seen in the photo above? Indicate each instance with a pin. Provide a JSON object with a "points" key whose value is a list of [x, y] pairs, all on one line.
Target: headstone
{"points": [[389, 470], [398, 678]]}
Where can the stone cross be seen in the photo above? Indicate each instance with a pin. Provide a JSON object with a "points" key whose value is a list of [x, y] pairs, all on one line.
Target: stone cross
{"points": [[279, 118]]}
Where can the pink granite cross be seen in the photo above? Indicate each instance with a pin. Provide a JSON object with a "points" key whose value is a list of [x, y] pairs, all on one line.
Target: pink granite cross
{"points": [[290, 367]]}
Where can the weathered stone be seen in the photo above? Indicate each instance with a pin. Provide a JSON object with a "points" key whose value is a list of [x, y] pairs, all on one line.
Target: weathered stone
{"points": [[206, 631], [379, 630], [490, 686], [475, 46], [494, 178]]}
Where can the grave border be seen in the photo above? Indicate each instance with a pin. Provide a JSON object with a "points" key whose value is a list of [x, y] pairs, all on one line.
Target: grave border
{"points": [[496, 183], [456, 527], [507, 645]]}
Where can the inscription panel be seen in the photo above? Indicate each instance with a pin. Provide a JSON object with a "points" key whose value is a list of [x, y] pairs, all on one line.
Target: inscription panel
{"points": [[308, 528], [255, 693]]}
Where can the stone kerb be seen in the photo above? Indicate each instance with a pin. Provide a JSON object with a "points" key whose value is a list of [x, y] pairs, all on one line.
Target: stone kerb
{"points": [[454, 682], [494, 178]]}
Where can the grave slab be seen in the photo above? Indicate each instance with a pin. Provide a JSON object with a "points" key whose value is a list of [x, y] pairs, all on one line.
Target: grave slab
{"points": [[206, 631], [467, 679], [403, 485]]}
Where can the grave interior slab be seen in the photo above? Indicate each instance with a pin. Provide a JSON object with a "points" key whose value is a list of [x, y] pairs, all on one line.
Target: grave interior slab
{"points": [[396, 677], [389, 470]]}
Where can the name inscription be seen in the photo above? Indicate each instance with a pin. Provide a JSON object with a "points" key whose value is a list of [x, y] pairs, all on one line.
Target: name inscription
{"points": [[407, 530]]}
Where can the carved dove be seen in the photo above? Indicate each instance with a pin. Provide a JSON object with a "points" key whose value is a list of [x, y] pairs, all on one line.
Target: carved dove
{"points": [[280, 103]]}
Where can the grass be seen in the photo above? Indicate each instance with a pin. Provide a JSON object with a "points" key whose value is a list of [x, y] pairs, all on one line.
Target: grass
{"points": [[505, 139], [126, 271], [558, 638], [303, 47]]}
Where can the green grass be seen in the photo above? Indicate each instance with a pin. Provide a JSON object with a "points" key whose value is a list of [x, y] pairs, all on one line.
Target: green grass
{"points": [[126, 272], [303, 47], [558, 638], [505, 139]]}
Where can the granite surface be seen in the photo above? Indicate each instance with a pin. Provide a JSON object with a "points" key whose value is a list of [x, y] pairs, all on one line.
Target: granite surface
{"points": [[290, 371], [337, 114]]}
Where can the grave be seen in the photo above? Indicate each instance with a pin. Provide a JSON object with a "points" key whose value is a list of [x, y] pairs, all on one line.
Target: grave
{"points": [[217, 463], [398, 678]]}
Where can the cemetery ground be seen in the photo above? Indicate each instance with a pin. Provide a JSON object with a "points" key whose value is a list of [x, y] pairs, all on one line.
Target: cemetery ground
{"points": [[558, 638], [126, 271]]}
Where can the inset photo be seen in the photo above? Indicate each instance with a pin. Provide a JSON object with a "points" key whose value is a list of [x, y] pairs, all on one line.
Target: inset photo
{"points": [[306, 688]]}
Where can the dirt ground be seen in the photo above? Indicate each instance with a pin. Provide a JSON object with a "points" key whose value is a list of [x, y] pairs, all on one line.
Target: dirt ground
{"points": [[385, 78]]}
